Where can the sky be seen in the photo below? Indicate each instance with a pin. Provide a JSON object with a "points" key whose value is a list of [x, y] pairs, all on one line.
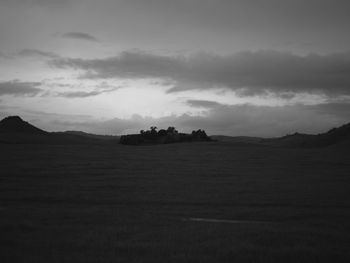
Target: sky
{"points": [[231, 67]]}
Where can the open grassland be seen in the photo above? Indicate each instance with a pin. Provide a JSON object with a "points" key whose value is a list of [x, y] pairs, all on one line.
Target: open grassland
{"points": [[98, 203]]}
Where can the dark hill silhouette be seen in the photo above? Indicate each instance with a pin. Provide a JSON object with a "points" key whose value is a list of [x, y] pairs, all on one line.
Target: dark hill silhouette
{"points": [[14, 124], [340, 135], [14, 130], [333, 136]]}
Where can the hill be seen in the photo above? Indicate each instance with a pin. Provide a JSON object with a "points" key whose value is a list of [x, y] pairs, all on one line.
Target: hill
{"points": [[332, 137], [14, 124], [335, 136], [14, 130]]}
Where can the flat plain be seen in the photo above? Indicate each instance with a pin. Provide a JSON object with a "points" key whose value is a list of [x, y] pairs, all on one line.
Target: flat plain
{"points": [[189, 202]]}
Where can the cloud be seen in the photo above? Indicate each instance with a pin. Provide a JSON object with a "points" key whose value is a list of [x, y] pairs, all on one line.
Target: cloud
{"points": [[80, 36], [37, 53], [203, 103], [18, 88], [99, 89], [247, 73], [79, 94], [84, 94]]}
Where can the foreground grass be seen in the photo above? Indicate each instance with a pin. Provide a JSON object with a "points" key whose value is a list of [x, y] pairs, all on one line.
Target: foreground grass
{"points": [[95, 203]]}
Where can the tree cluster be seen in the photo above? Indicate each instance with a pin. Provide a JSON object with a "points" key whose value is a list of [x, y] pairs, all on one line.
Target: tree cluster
{"points": [[162, 136]]}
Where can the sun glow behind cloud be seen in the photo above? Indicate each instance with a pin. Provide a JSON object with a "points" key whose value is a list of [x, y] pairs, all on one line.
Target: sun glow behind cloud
{"points": [[107, 98]]}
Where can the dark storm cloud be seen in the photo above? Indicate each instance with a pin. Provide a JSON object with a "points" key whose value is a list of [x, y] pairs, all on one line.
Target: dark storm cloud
{"points": [[248, 73], [18, 88], [37, 53], [80, 36]]}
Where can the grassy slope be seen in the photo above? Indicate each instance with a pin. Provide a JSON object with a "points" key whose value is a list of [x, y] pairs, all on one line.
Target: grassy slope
{"points": [[98, 203]]}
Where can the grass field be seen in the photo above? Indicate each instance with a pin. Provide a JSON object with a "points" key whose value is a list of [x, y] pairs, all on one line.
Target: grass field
{"points": [[98, 203]]}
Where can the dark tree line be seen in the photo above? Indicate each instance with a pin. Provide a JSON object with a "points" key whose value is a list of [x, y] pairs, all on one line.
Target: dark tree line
{"points": [[162, 136]]}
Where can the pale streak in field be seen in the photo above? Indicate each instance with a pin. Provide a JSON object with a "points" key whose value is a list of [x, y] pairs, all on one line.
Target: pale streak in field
{"points": [[214, 220]]}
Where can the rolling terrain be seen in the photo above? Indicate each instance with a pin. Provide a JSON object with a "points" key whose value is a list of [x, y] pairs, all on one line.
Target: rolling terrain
{"points": [[340, 135], [190, 202], [14, 130]]}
